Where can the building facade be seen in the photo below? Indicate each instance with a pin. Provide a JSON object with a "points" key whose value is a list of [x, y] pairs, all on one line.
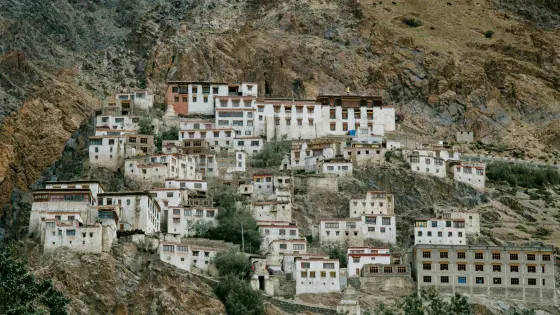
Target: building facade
{"points": [[500, 272], [360, 256], [470, 173], [440, 231], [315, 275]]}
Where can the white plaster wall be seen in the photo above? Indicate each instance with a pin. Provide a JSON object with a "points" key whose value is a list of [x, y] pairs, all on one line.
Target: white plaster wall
{"points": [[317, 284], [355, 267]]}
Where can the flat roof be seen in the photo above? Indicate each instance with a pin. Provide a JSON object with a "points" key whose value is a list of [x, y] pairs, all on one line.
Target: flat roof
{"points": [[300, 240], [197, 82], [72, 182]]}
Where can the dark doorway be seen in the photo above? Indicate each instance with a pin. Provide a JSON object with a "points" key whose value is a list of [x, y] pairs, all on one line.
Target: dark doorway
{"points": [[261, 283]]}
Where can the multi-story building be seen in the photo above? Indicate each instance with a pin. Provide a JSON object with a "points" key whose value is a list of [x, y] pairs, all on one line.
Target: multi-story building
{"points": [[500, 272], [431, 161], [193, 184], [472, 220], [281, 247], [353, 231], [94, 186], [317, 275], [324, 116], [183, 220], [376, 202], [364, 154], [272, 211], [110, 150], [60, 200], [190, 97], [360, 256], [140, 210], [440, 231], [289, 260], [67, 229], [263, 185], [471, 173], [127, 103], [272, 231], [335, 166], [121, 123]]}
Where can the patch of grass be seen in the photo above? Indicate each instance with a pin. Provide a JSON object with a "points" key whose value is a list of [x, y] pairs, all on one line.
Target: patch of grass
{"points": [[413, 22], [489, 34], [542, 232], [522, 228]]}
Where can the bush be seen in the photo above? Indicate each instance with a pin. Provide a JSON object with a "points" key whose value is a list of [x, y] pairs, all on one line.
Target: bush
{"points": [[488, 33], [20, 293], [272, 153], [232, 263], [521, 175], [412, 22], [170, 134], [239, 298], [337, 252], [145, 126]]}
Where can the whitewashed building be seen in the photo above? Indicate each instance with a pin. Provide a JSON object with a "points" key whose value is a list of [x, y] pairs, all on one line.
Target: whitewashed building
{"points": [[440, 232], [182, 220], [376, 202], [431, 161], [281, 247], [66, 229], [272, 211], [360, 256], [272, 231], [354, 231], [94, 186], [140, 210], [472, 220], [112, 123], [199, 185], [316, 275], [289, 260], [335, 166], [470, 173]]}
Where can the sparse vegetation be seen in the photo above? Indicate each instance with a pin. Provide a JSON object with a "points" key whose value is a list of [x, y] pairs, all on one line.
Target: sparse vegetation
{"points": [[542, 232], [337, 252], [489, 34], [21, 293], [145, 126], [272, 153], [232, 263], [521, 175], [239, 298], [413, 22]]}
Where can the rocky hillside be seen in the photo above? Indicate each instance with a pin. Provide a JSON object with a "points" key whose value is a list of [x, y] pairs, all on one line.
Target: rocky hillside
{"points": [[127, 281], [59, 57]]}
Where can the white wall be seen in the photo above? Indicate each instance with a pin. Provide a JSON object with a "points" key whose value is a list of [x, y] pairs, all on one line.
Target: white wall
{"points": [[277, 232], [473, 174], [428, 165], [374, 203], [181, 220], [199, 185], [435, 231], [330, 282]]}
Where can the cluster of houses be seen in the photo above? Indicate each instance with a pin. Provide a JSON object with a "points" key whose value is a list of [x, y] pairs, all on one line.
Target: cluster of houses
{"points": [[220, 126]]}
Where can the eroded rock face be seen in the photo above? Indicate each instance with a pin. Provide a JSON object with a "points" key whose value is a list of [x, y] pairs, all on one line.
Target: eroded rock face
{"points": [[443, 76], [125, 282]]}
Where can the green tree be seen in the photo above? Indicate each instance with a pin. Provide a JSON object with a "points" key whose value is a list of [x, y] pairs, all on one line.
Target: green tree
{"points": [[239, 298], [232, 215], [145, 126], [337, 252], [20, 293], [272, 153], [170, 134], [232, 263]]}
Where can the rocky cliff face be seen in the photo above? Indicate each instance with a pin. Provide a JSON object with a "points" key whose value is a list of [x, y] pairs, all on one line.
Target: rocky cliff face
{"points": [[58, 58], [126, 281]]}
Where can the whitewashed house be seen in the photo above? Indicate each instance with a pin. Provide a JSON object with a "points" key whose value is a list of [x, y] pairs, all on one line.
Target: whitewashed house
{"points": [[360, 256], [316, 275], [440, 232], [281, 247], [111, 123], [431, 161], [354, 231], [181, 220], [376, 202], [272, 231], [472, 220], [199, 185], [140, 210], [289, 260], [94, 186], [470, 173]]}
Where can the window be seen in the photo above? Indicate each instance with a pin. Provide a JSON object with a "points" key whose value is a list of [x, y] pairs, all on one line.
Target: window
{"points": [[478, 255], [312, 274], [514, 281], [419, 233], [333, 126], [373, 269], [305, 265], [386, 221], [546, 257], [497, 268], [293, 232], [462, 267], [328, 265], [427, 254], [426, 266], [401, 269], [323, 274], [176, 220], [434, 224], [478, 267], [532, 281], [513, 268], [304, 274], [168, 248], [288, 122], [299, 246], [310, 121], [479, 280], [496, 256], [283, 246], [462, 280], [531, 269], [444, 279], [530, 256], [333, 274], [70, 232], [440, 234], [332, 225], [443, 267], [344, 126], [427, 279], [513, 256], [443, 255], [497, 280]]}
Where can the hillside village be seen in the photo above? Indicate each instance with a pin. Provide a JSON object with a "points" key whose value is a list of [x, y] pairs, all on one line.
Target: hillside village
{"points": [[213, 132]]}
